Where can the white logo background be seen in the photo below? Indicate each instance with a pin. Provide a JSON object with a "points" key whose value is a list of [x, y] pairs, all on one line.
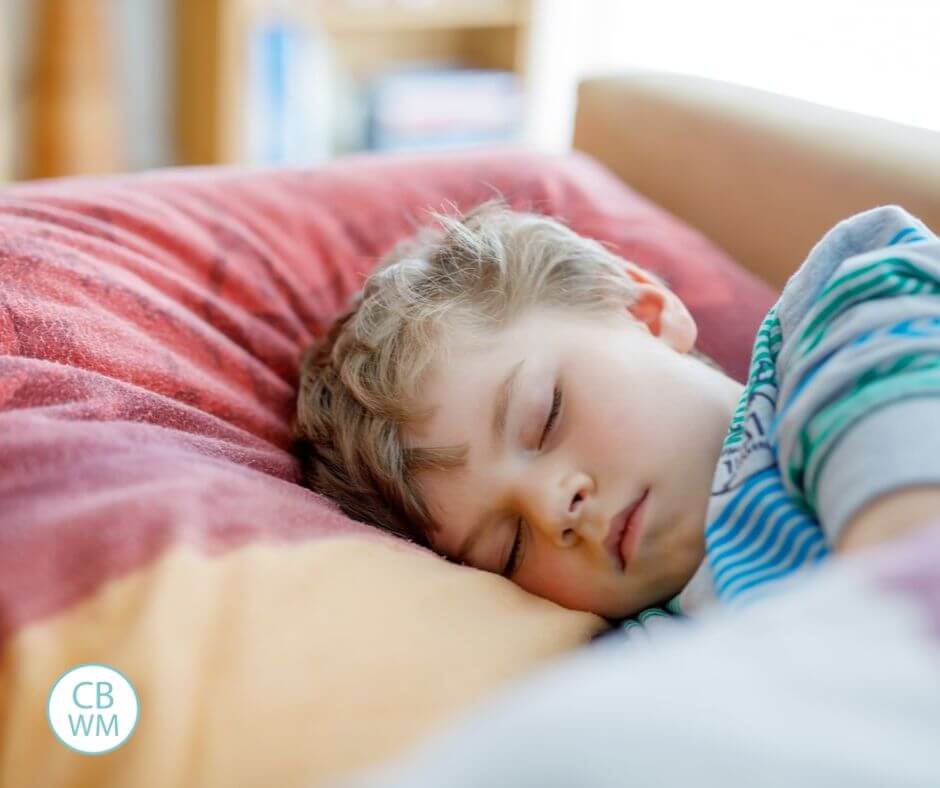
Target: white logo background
{"points": [[93, 708]]}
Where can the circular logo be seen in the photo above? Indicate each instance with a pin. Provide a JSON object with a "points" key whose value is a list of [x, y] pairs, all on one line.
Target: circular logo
{"points": [[93, 709]]}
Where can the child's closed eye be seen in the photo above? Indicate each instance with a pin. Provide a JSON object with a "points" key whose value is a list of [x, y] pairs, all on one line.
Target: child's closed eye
{"points": [[552, 415], [515, 552]]}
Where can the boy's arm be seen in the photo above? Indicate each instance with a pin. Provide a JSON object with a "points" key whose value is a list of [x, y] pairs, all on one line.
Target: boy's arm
{"points": [[858, 413], [893, 515]]}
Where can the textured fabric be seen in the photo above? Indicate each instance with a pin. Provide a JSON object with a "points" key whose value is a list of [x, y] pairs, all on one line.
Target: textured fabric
{"points": [[151, 329], [855, 332], [150, 515]]}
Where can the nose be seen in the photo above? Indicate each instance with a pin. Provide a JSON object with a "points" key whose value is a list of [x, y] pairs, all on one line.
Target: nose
{"points": [[557, 508]]}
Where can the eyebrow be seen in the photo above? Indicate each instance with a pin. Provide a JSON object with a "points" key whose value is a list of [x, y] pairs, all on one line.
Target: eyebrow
{"points": [[503, 397], [501, 401]]}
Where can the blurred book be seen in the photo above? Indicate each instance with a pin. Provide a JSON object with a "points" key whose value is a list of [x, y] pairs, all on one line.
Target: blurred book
{"points": [[443, 108], [288, 111]]}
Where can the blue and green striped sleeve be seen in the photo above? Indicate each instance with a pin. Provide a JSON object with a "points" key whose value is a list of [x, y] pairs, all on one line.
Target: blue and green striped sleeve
{"points": [[858, 411]]}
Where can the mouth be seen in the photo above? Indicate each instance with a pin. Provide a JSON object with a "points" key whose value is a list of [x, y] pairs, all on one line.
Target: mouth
{"points": [[624, 530]]}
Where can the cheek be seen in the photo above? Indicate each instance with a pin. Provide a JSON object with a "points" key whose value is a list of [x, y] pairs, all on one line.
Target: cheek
{"points": [[619, 425], [564, 577], [617, 398]]}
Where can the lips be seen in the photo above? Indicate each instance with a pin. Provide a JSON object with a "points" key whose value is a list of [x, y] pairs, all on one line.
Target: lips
{"points": [[621, 535]]}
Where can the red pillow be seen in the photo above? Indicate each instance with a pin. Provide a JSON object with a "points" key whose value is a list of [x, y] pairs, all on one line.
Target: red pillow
{"points": [[151, 326]]}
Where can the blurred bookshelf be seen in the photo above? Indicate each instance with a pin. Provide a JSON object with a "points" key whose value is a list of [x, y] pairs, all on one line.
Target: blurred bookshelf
{"points": [[59, 105], [73, 107], [95, 86], [298, 81]]}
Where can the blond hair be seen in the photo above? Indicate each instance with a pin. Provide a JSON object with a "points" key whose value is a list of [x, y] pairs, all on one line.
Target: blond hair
{"points": [[360, 383]]}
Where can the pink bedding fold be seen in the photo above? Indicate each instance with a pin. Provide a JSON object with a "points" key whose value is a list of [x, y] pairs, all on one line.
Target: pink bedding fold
{"points": [[151, 325]]}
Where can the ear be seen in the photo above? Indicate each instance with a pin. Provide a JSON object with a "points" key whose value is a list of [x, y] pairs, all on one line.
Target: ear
{"points": [[661, 311]]}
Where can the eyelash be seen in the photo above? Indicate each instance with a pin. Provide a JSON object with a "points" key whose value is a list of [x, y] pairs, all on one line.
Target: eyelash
{"points": [[552, 416], [553, 413]]}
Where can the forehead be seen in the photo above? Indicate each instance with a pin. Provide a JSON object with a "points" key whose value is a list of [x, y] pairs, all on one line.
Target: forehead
{"points": [[459, 386], [458, 390]]}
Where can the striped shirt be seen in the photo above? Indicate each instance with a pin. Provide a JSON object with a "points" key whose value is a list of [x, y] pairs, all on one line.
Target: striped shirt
{"points": [[841, 405]]}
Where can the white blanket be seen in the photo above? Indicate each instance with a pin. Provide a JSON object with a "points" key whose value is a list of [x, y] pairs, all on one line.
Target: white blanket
{"points": [[835, 683]]}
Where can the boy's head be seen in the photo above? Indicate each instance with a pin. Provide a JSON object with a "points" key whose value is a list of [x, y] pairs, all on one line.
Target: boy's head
{"points": [[406, 419]]}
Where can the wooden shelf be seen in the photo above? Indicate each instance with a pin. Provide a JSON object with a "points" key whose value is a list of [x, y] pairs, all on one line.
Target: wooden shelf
{"points": [[340, 18], [73, 108], [212, 53]]}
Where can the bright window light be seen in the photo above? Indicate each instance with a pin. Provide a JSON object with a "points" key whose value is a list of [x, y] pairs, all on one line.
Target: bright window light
{"points": [[867, 56]]}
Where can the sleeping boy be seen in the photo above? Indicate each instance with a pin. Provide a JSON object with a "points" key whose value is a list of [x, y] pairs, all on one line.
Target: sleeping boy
{"points": [[523, 401]]}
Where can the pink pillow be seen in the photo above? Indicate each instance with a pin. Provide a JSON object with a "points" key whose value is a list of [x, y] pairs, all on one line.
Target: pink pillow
{"points": [[150, 331]]}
